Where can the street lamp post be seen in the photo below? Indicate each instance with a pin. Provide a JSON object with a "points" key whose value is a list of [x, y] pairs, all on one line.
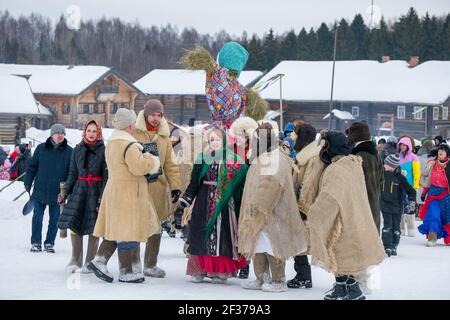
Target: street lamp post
{"points": [[332, 78]]}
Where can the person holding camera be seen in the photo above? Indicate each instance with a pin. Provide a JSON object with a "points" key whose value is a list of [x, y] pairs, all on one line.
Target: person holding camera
{"points": [[126, 216], [152, 131]]}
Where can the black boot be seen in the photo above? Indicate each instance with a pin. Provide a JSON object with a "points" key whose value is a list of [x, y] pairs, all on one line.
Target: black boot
{"points": [[243, 273], [354, 292], [339, 291], [297, 282], [303, 277]]}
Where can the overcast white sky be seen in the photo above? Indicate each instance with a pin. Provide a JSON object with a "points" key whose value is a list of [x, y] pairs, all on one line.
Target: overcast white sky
{"points": [[234, 16]]}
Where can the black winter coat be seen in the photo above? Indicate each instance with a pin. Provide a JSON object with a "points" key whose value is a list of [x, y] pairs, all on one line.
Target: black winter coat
{"points": [[393, 189], [373, 175], [23, 160], [80, 212], [47, 168]]}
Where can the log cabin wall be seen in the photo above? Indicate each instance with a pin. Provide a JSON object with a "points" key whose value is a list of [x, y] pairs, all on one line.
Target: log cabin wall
{"points": [[404, 120]]}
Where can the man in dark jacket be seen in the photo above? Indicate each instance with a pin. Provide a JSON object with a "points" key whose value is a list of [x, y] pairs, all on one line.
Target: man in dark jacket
{"points": [[393, 189], [47, 168], [359, 136]]}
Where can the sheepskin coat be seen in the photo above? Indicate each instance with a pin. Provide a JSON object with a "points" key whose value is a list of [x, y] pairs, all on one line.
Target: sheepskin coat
{"points": [[126, 211], [343, 235], [160, 190], [269, 204], [307, 177]]}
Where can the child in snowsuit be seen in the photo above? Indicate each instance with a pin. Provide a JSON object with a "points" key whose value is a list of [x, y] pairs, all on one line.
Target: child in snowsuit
{"points": [[393, 190]]}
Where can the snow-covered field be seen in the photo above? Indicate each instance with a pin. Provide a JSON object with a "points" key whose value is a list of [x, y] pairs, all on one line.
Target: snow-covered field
{"points": [[417, 272]]}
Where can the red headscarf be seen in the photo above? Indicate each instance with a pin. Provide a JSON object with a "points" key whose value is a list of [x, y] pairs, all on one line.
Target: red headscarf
{"points": [[99, 132]]}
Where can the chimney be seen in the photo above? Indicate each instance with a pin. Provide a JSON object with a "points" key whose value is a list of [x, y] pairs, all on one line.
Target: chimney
{"points": [[413, 61], [385, 59]]}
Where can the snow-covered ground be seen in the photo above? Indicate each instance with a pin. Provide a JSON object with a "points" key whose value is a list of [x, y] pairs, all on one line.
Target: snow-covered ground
{"points": [[417, 272]]}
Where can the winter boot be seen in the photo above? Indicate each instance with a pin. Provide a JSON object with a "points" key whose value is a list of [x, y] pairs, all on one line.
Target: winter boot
{"points": [[394, 252], [151, 257], [217, 280], [197, 279], [252, 284], [388, 252], [91, 252], [243, 273], [274, 287], [77, 253], [126, 273], [303, 276], [136, 256], [411, 225], [432, 239], [353, 290], [297, 282], [339, 290], [278, 283], [98, 265], [363, 280], [50, 248], [36, 247]]}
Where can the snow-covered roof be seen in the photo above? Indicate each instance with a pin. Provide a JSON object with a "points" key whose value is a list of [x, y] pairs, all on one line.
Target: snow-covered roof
{"points": [[59, 80], [393, 81], [340, 114], [182, 81], [17, 98]]}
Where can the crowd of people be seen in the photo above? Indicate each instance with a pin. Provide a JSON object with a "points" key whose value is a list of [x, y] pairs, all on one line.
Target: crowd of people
{"points": [[251, 194]]}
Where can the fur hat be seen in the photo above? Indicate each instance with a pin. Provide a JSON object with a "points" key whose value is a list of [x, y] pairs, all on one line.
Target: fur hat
{"points": [[274, 125], [246, 124], [392, 160], [428, 144], [152, 106], [57, 128], [336, 143], [306, 134], [124, 118], [358, 131]]}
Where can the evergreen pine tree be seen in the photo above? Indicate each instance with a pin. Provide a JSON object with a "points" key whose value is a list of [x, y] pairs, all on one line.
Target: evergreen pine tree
{"points": [[288, 46], [324, 48], [270, 51], [379, 42], [360, 32], [407, 36]]}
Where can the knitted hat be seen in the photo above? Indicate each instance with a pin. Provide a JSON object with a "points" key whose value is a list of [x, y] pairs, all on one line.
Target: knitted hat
{"points": [[358, 131], [233, 56], [391, 139], [124, 118], [57, 128], [152, 106], [392, 160]]}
